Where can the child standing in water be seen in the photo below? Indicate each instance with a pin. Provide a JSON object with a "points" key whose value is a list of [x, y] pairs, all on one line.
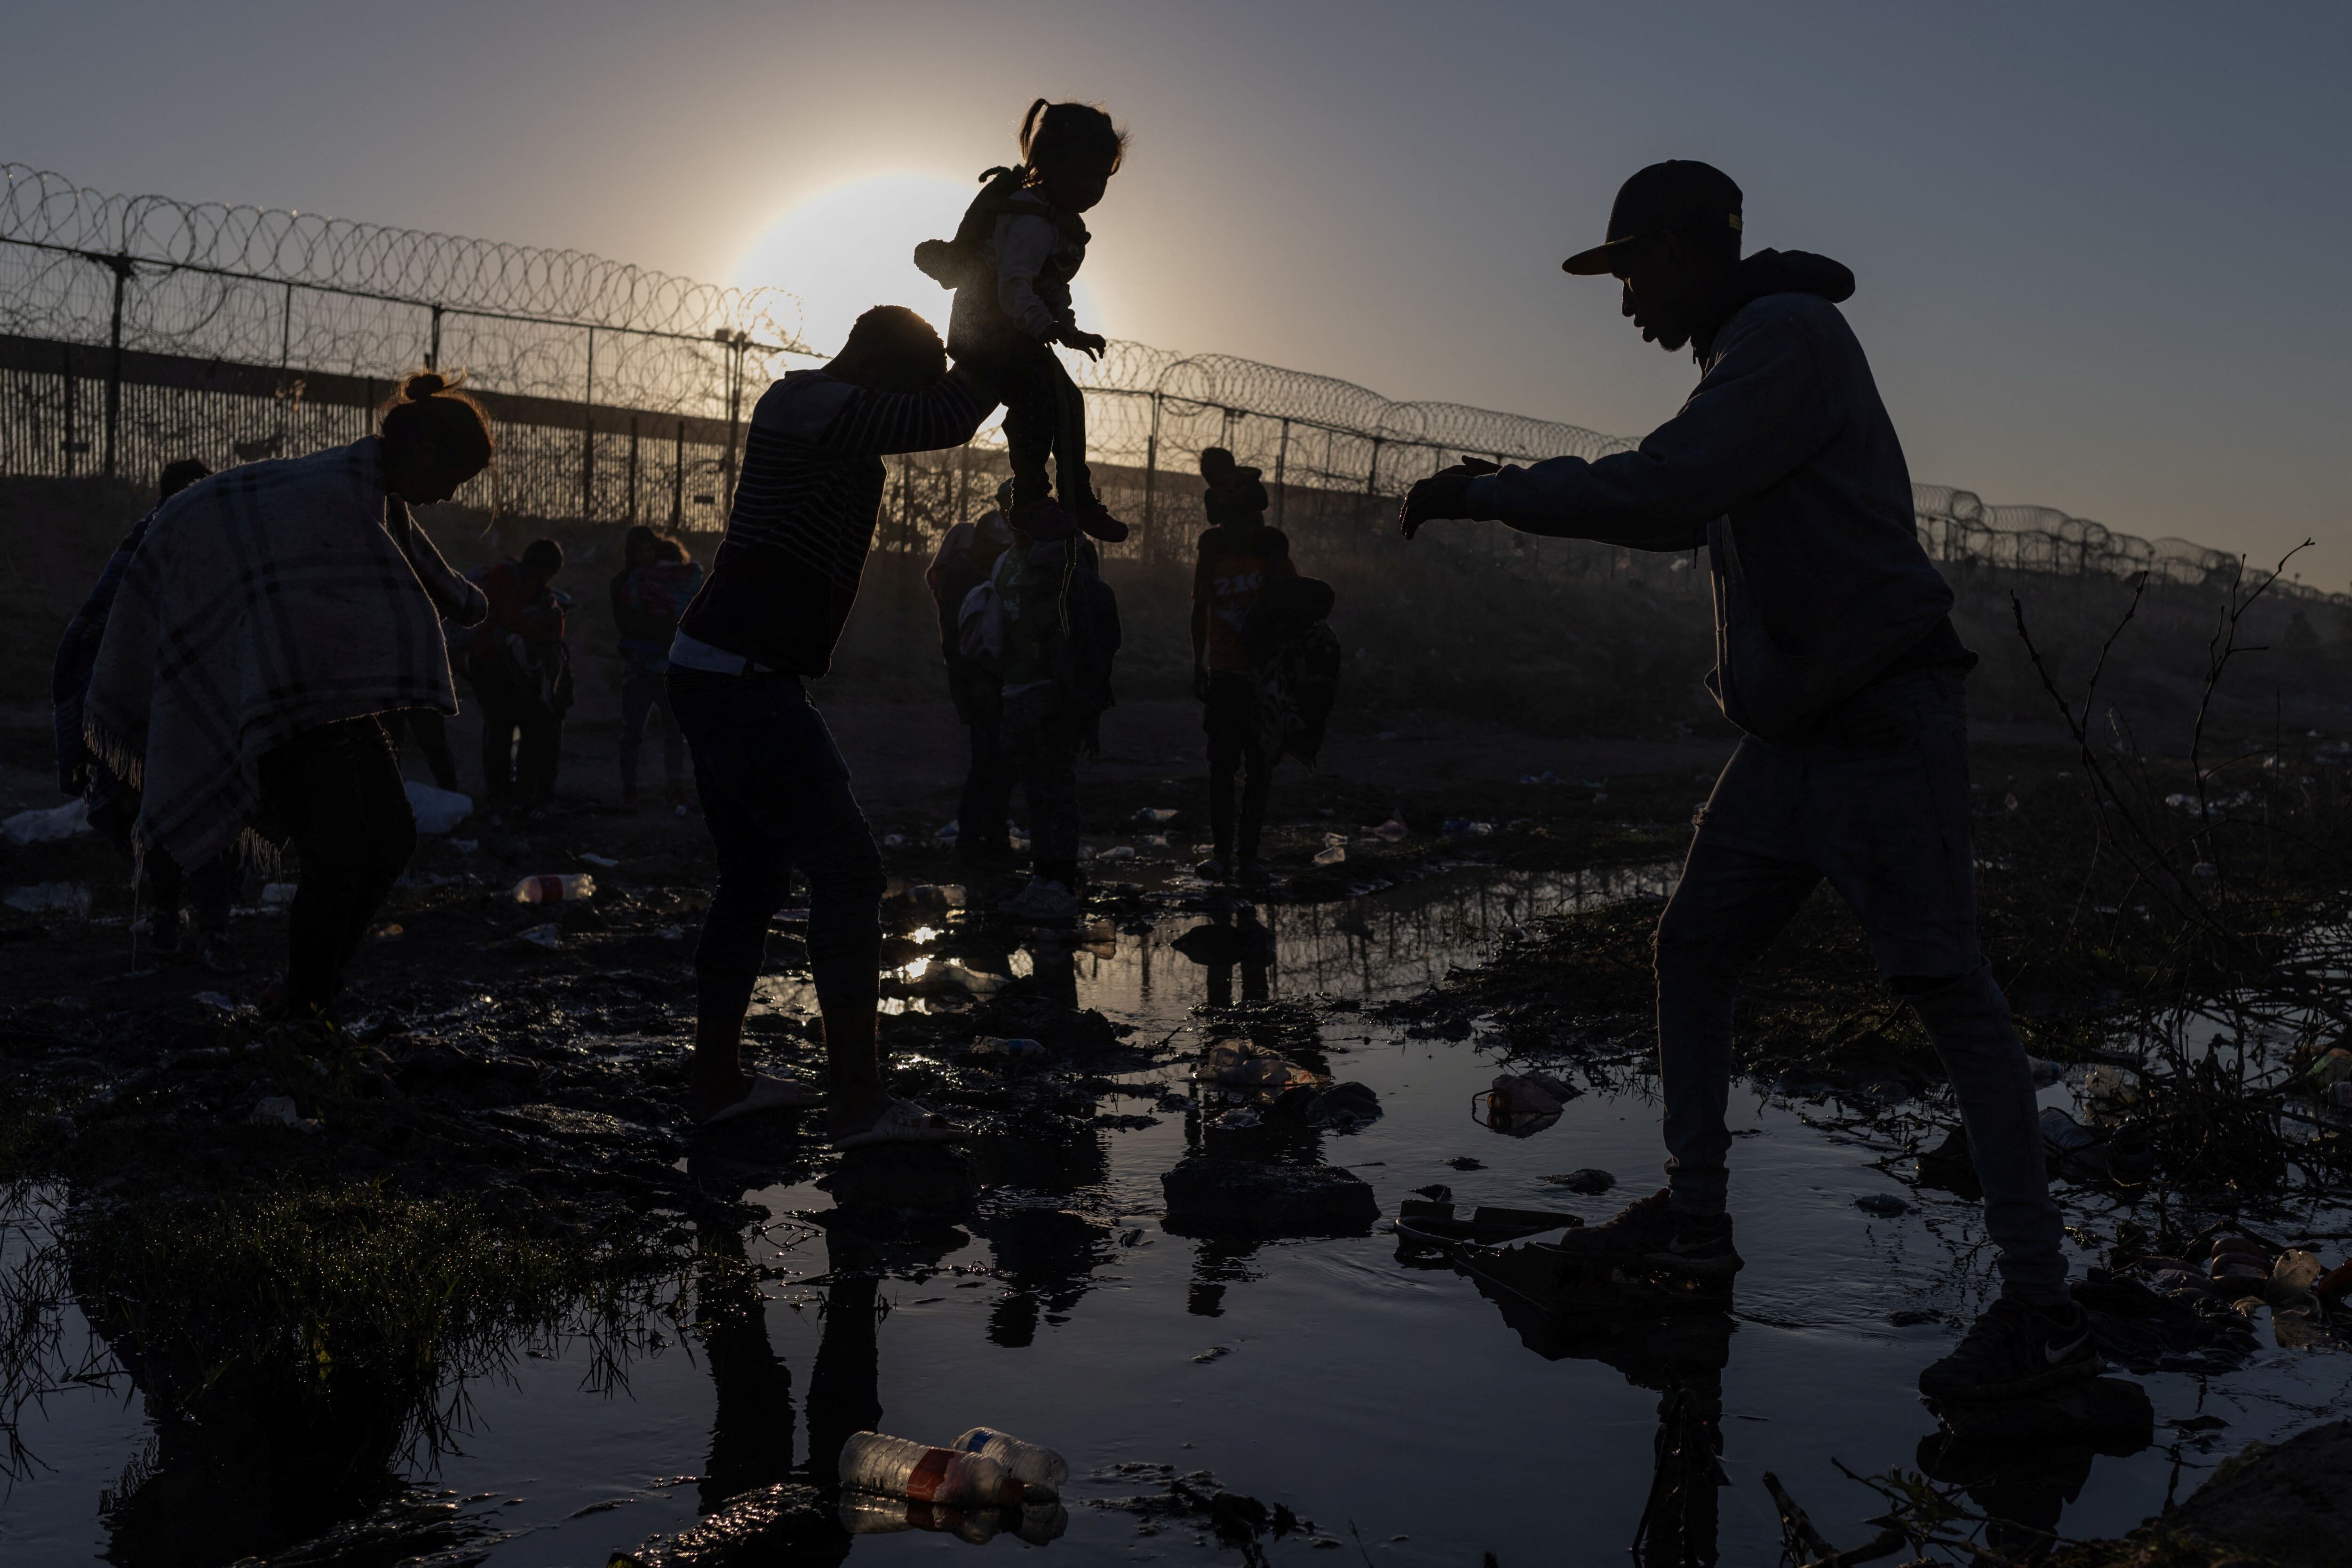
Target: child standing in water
{"points": [[1011, 263], [1239, 556]]}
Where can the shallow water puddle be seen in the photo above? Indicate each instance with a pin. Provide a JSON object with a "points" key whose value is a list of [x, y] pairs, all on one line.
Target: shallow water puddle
{"points": [[1398, 1407]]}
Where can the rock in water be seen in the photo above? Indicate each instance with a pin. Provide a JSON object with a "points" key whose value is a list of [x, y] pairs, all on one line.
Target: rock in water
{"points": [[1210, 1197]]}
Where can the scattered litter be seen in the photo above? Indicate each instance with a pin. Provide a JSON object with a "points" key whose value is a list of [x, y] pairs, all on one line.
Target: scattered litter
{"points": [[1462, 828], [606, 862], [1339, 1106], [391, 930], [1332, 855], [437, 810], [1241, 1119], [1544, 777], [1391, 832], [1034, 1466], [671, 933], [550, 935], [1244, 1064], [1465, 1163], [2045, 1071], [1117, 852], [278, 895], [51, 827], [554, 889], [279, 1111], [1157, 816], [935, 895], [1011, 1049], [1586, 1181], [465, 846], [894, 841], [1885, 1205], [955, 976], [2330, 1069], [897, 1466], [215, 999], [50, 898], [1438, 1193], [1214, 1352]]}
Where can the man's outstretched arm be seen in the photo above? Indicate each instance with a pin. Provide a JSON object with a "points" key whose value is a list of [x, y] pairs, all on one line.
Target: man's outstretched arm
{"points": [[1759, 413]]}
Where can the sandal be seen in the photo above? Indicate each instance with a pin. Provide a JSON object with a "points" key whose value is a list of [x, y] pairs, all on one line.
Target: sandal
{"points": [[768, 1092], [903, 1122]]}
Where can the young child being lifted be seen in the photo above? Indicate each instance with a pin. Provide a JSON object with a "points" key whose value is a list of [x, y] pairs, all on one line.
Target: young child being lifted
{"points": [[1011, 263]]}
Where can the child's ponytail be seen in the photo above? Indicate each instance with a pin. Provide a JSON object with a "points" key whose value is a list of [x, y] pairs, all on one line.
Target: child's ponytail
{"points": [[1055, 130]]}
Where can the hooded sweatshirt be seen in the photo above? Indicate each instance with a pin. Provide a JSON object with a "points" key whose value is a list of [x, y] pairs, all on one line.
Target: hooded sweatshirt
{"points": [[1784, 464]]}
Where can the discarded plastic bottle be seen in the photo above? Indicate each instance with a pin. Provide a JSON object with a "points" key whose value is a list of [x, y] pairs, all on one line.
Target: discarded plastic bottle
{"points": [[1025, 1462], [554, 889], [1019, 1050], [897, 1466], [2064, 1133]]}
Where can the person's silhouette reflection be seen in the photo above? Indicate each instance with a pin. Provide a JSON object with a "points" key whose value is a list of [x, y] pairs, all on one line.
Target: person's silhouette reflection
{"points": [[1682, 1355], [1232, 938], [2024, 1482]]}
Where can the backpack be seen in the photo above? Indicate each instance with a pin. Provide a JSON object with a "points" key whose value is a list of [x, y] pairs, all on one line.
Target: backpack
{"points": [[962, 262]]}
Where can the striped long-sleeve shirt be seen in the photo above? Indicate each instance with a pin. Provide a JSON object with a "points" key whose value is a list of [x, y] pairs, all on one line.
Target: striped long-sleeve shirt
{"points": [[781, 586]]}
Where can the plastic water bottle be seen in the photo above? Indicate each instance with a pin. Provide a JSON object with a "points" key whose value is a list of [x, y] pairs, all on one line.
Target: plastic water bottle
{"points": [[1025, 1462], [898, 1467], [554, 889]]}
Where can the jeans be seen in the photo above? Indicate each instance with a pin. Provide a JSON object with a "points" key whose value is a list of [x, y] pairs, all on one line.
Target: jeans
{"points": [[1876, 802], [775, 794], [522, 739], [1235, 753], [1045, 413], [337, 791], [1041, 750], [987, 791], [644, 696]]}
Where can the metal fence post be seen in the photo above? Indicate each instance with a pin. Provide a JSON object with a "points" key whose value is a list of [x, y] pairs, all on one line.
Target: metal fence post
{"points": [[632, 470], [433, 346], [588, 436], [1281, 458], [678, 482], [121, 265], [65, 356], [1151, 475]]}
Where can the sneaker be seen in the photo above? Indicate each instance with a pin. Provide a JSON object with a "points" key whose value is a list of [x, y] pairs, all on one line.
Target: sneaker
{"points": [[1042, 900], [2016, 1348], [1096, 520], [219, 955], [1210, 871], [1649, 1234], [157, 935]]}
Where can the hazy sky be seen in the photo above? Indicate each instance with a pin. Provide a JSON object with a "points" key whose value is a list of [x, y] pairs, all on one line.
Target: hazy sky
{"points": [[2101, 247]]}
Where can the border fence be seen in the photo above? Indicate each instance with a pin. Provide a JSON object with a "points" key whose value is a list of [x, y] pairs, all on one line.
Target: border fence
{"points": [[135, 329]]}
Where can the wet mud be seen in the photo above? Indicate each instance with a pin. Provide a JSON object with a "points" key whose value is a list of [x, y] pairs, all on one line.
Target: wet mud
{"points": [[576, 1328]]}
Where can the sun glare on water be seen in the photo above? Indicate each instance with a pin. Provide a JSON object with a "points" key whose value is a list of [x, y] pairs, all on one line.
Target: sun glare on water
{"points": [[846, 249]]}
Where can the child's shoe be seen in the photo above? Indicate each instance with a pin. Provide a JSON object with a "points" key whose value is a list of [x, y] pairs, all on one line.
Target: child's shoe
{"points": [[1046, 522], [1096, 520]]}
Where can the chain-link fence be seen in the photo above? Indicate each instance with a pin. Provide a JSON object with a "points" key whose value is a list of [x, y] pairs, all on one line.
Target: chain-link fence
{"points": [[134, 331]]}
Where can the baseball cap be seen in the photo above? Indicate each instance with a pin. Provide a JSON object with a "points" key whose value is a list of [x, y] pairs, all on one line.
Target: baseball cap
{"points": [[1679, 196]]}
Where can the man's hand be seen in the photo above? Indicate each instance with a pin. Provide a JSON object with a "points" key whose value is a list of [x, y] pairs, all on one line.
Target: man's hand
{"points": [[1445, 493], [1091, 344]]}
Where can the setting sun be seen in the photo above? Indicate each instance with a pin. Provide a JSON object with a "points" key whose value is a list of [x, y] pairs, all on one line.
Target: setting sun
{"points": [[850, 248]]}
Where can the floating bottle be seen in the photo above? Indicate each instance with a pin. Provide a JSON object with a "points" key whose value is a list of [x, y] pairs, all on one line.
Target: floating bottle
{"points": [[1027, 1463], [898, 1467], [554, 889]]}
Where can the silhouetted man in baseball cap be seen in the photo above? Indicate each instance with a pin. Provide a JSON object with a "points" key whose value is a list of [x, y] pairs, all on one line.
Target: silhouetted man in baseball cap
{"points": [[1835, 653]]}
